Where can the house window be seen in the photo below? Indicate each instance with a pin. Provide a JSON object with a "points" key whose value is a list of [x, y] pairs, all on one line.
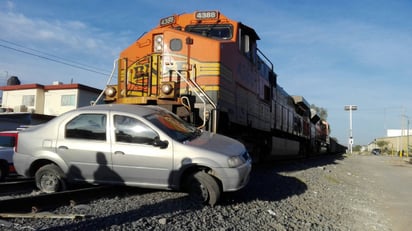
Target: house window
{"points": [[28, 100], [68, 100]]}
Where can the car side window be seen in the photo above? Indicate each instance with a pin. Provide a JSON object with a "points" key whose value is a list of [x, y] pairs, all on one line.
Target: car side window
{"points": [[87, 126], [7, 141], [131, 130]]}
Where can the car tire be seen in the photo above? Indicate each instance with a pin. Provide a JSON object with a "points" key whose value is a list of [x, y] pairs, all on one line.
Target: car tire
{"points": [[50, 178], [203, 188]]}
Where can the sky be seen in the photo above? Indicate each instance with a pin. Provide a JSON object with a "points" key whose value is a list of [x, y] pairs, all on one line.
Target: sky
{"points": [[333, 53]]}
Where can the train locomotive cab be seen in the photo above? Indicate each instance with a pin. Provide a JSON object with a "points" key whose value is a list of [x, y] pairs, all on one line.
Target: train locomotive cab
{"points": [[193, 63], [208, 69]]}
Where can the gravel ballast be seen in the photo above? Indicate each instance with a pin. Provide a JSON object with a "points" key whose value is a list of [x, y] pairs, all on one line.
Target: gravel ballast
{"points": [[329, 193]]}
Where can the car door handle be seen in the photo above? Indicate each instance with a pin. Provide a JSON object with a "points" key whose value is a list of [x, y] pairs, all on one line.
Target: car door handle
{"points": [[63, 147], [119, 153]]}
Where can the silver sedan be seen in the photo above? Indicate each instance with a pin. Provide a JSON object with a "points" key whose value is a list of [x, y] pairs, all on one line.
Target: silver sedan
{"points": [[143, 146]]}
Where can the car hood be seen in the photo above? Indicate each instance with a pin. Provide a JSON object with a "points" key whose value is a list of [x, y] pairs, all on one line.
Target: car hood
{"points": [[217, 143]]}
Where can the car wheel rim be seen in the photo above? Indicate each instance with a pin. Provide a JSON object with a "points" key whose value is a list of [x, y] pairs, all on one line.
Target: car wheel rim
{"points": [[49, 182], [199, 192]]}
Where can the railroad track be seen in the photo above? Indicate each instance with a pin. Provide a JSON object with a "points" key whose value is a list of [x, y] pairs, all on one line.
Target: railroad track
{"points": [[41, 202], [16, 187], [38, 206]]}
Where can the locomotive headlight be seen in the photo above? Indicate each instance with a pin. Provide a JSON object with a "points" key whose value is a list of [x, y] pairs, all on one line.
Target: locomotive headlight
{"points": [[159, 38], [167, 88], [110, 91], [158, 43]]}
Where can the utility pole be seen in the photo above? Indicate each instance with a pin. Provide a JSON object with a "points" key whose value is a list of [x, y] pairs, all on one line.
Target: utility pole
{"points": [[5, 83], [350, 108], [407, 134]]}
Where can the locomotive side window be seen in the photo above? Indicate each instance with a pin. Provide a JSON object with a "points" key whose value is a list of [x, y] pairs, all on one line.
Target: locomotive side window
{"points": [[266, 93], [247, 45]]}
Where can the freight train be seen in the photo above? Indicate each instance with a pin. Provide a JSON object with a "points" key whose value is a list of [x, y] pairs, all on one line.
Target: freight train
{"points": [[208, 69]]}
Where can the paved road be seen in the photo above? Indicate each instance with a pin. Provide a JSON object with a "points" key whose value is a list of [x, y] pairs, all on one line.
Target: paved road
{"points": [[392, 177]]}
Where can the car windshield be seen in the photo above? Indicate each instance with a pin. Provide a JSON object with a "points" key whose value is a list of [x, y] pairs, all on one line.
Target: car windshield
{"points": [[174, 126]]}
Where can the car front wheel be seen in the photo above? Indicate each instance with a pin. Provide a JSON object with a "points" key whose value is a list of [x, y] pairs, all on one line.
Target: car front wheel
{"points": [[50, 178], [203, 188]]}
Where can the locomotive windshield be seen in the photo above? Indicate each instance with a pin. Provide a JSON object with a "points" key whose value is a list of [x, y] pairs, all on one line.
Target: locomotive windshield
{"points": [[213, 31]]}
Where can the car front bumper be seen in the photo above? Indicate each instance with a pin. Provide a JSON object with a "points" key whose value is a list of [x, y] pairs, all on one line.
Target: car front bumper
{"points": [[234, 179]]}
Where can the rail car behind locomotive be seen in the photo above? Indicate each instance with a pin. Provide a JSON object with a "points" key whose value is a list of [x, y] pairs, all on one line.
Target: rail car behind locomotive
{"points": [[207, 68]]}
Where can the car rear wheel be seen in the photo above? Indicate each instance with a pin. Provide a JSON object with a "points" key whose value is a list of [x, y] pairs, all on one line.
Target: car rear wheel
{"points": [[50, 178], [203, 188]]}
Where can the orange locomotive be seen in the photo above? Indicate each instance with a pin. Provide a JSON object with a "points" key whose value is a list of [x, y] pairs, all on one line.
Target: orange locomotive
{"points": [[208, 69]]}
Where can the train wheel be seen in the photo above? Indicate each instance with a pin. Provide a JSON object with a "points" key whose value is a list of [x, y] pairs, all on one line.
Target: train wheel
{"points": [[50, 178], [203, 188]]}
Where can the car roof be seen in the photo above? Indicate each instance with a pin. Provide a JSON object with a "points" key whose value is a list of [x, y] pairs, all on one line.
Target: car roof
{"points": [[126, 108]]}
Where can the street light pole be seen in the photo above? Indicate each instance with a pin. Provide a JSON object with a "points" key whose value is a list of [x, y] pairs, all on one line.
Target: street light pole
{"points": [[350, 108], [407, 139], [407, 135]]}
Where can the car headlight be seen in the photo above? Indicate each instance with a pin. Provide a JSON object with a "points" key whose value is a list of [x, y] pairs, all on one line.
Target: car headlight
{"points": [[235, 161]]}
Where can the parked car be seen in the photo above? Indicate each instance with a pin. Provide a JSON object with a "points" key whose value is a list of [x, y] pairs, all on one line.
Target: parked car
{"points": [[376, 151], [144, 146], [7, 142]]}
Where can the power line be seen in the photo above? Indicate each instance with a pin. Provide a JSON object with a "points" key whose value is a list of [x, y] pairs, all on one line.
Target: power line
{"points": [[48, 54], [55, 59]]}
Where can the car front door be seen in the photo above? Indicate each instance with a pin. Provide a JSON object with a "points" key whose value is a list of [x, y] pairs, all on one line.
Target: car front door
{"points": [[135, 157]]}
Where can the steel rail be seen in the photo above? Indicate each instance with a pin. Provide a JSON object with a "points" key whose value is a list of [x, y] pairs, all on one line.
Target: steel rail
{"points": [[13, 187]]}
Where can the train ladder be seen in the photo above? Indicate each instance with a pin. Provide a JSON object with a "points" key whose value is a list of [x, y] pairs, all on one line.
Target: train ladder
{"points": [[203, 96]]}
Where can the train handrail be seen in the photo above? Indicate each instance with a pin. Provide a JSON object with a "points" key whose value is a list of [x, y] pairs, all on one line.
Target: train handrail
{"points": [[267, 59], [107, 83], [199, 92]]}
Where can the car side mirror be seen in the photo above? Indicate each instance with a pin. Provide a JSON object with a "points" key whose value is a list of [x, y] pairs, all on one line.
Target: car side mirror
{"points": [[160, 143]]}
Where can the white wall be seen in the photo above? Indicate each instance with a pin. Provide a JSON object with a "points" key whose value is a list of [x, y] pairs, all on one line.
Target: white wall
{"points": [[13, 99], [397, 132], [52, 101], [49, 102]]}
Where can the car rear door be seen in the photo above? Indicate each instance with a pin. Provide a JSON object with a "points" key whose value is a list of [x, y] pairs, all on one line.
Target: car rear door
{"points": [[135, 157], [83, 145]]}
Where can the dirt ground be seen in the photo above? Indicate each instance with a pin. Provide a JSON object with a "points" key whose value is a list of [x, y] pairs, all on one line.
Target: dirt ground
{"points": [[332, 193], [390, 179]]}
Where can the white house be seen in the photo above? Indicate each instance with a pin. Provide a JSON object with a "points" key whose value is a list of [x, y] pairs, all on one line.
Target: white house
{"points": [[52, 99], [398, 132]]}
